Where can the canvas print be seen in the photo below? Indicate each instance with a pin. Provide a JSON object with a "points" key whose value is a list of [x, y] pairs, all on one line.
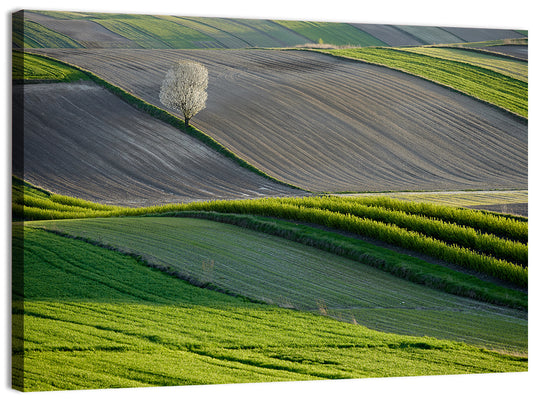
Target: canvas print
{"points": [[222, 200]]}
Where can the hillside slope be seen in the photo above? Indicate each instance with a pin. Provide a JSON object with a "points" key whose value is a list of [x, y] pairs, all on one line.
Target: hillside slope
{"points": [[81, 140], [326, 124], [277, 271], [86, 324], [99, 30]]}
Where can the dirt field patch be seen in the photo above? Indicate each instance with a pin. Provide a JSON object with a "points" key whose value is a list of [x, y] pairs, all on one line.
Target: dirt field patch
{"points": [[513, 50], [81, 140], [327, 124]]}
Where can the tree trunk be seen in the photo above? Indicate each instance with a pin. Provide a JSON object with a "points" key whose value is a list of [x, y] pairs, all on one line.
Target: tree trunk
{"points": [[187, 121]]}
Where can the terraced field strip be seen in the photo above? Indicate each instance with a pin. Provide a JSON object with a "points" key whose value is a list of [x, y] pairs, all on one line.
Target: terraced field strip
{"points": [[447, 231], [33, 68], [506, 202], [93, 324], [457, 198], [289, 274], [373, 220], [338, 34], [304, 119], [481, 83], [510, 227], [237, 33], [514, 68], [30, 34], [386, 230], [217, 38]]}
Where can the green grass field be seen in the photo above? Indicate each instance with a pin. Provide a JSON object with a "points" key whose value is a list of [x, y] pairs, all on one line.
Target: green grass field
{"points": [[29, 67], [515, 69], [484, 84], [336, 34], [90, 323], [273, 270]]}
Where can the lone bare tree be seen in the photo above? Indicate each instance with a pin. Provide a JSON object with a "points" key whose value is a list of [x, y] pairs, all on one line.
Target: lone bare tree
{"points": [[185, 88]]}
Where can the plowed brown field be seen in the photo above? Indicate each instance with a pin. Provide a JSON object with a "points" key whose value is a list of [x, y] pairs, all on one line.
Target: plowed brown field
{"points": [[327, 124], [83, 141], [517, 51]]}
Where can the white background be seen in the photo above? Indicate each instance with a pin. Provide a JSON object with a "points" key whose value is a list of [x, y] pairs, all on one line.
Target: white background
{"points": [[465, 13]]}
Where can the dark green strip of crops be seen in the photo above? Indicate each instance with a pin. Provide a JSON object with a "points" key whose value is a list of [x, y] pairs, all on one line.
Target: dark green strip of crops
{"points": [[486, 85]]}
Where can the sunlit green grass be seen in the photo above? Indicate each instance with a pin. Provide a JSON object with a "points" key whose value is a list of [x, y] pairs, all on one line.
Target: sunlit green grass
{"points": [[336, 34], [407, 225], [30, 67], [514, 68], [275, 270], [94, 318]]}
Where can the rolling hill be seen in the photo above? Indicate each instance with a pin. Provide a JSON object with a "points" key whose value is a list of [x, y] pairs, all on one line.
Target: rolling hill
{"points": [[96, 146], [98, 30], [256, 245], [327, 124], [91, 324]]}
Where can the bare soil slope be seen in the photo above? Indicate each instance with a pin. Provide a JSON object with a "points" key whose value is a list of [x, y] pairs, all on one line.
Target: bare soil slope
{"points": [[327, 124], [83, 141], [517, 51]]}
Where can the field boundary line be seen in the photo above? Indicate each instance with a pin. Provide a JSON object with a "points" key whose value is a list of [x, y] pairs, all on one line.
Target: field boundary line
{"points": [[170, 119]]}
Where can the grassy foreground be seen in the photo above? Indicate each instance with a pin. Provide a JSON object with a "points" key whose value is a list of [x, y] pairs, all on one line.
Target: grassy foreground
{"points": [[93, 324], [277, 271]]}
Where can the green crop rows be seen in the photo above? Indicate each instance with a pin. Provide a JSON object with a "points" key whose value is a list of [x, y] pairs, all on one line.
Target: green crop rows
{"points": [[30, 34], [484, 84], [514, 68], [336, 34], [459, 199], [448, 232], [30, 67], [179, 334], [149, 31], [152, 32], [370, 222]]}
